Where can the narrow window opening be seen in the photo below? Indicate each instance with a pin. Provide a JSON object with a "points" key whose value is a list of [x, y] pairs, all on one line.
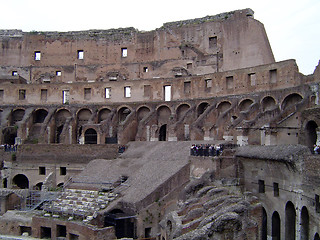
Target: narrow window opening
{"points": [[145, 69], [261, 186], [87, 93], [167, 93], [252, 79], [1, 94], [147, 232], [187, 87], [80, 54], [208, 83], [22, 94], [127, 92], [14, 73], [37, 56], [42, 170], [213, 42], [63, 171], [147, 90], [317, 203], [273, 75], [275, 189], [44, 94], [61, 231], [124, 52], [189, 65], [65, 96], [229, 81], [58, 73], [107, 92]]}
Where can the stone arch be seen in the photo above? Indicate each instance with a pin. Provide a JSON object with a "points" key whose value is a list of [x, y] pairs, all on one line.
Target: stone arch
{"points": [[142, 112], [245, 104], [61, 116], [202, 107], [311, 134], [290, 221], [17, 116], [181, 110], [21, 181], [9, 135], [38, 186], [264, 225], [276, 223], [123, 113], [316, 237], [103, 114], [291, 100], [223, 106], [163, 113], [83, 116], [90, 136], [268, 103], [304, 222], [39, 115]]}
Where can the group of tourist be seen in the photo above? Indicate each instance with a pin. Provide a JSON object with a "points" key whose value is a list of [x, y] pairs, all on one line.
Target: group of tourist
{"points": [[10, 148], [206, 150], [316, 149]]}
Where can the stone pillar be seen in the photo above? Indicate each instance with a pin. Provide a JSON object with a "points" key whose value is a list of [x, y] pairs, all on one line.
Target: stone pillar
{"points": [[153, 137], [70, 134], [318, 136], [148, 133], [186, 132], [172, 134], [49, 134]]}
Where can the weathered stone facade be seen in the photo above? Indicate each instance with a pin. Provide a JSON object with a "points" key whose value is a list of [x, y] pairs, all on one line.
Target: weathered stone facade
{"points": [[68, 99]]}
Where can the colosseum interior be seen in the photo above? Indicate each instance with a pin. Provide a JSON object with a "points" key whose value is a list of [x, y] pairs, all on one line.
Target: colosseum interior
{"points": [[189, 131]]}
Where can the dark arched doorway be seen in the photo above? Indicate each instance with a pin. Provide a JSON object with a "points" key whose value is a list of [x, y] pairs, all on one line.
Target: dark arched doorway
{"points": [[38, 186], [163, 133], [311, 134], [9, 135], [90, 136], [304, 224], [275, 226], [21, 181], [316, 237], [290, 224], [264, 225]]}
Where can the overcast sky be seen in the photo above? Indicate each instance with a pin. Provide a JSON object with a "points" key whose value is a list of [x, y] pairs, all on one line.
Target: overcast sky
{"points": [[293, 26]]}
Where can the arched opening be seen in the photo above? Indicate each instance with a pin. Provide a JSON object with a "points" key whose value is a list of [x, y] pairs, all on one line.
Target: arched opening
{"points": [[304, 224], [38, 186], [9, 135], [223, 107], [142, 113], [103, 114], [163, 133], [290, 222], [275, 233], [123, 223], [181, 111], [311, 134], [291, 100], [245, 105], [21, 181], [264, 225], [60, 185], [90, 136], [163, 114], [268, 103], [202, 107], [39, 116], [316, 237], [61, 118], [16, 116], [123, 114], [83, 116]]}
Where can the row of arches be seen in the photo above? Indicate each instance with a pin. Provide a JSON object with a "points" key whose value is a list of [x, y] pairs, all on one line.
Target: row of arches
{"points": [[21, 181], [290, 223], [164, 113]]}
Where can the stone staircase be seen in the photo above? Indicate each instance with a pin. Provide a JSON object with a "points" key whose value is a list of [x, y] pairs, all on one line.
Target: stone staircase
{"points": [[83, 203], [209, 211]]}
